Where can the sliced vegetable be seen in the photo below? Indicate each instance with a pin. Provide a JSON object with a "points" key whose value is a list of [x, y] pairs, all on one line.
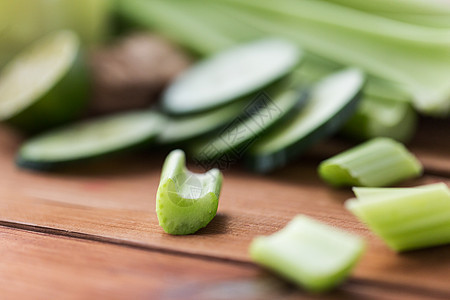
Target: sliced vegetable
{"points": [[405, 218], [185, 128], [376, 163], [332, 102], [90, 139], [245, 129], [186, 202], [230, 75], [311, 254], [378, 117], [395, 53], [45, 85]]}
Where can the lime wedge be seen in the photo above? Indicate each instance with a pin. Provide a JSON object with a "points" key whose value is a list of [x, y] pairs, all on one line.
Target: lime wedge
{"points": [[44, 85]]}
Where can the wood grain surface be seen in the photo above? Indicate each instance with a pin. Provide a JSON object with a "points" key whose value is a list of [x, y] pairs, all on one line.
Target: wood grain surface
{"points": [[91, 231]]}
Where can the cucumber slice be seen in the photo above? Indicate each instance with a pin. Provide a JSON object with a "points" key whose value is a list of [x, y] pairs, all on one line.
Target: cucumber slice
{"points": [[311, 254], [90, 139], [230, 75], [45, 85], [333, 101], [182, 129], [245, 129], [186, 202], [375, 163]]}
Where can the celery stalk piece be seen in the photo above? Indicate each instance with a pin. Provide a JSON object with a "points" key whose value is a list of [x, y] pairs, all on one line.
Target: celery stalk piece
{"points": [[311, 254], [422, 69], [378, 162], [186, 202], [340, 16], [377, 117], [432, 7], [171, 19], [405, 218]]}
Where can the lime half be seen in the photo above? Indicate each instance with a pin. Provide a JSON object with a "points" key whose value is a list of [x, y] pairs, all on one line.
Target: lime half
{"points": [[44, 85]]}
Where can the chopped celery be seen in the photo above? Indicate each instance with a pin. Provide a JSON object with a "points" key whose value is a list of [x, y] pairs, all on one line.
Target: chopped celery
{"points": [[175, 20], [311, 254], [405, 218], [432, 7], [186, 202], [378, 162], [333, 100], [377, 117], [243, 131]]}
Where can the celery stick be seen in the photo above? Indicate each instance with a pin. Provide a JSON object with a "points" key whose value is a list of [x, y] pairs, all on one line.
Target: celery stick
{"points": [[341, 16], [422, 70], [438, 21], [311, 254], [378, 162], [382, 118], [405, 218], [172, 20], [366, 193]]}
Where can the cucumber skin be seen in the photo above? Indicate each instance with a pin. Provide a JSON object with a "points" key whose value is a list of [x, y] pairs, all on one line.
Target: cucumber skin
{"points": [[303, 97], [47, 166], [63, 103], [270, 162]]}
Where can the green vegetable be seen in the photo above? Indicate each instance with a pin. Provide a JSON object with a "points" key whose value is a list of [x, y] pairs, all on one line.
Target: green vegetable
{"points": [[247, 128], [378, 162], [186, 202], [311, 254], [405, 218], [24, 21], [332, 102], [230, 75], [89, 139], [405, 44], [414, 56], [185, 128], [45, 85], [378, 117]]}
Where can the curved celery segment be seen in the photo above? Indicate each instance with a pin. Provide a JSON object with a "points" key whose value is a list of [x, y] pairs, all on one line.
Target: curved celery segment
{"points": [[311, 254], [186, 202], [405, 218], [377, 117], [376, 163]]}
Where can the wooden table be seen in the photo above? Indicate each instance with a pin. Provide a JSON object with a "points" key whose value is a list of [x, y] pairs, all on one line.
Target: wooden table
{"points": [[92, 232]]}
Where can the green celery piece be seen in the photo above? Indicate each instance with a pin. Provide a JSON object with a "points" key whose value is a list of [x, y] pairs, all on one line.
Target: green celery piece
{"points": [[367, 193], [175, 20], [420, 69], [186, 202], [376, 163], [341, 16], [311, 254], [377, 117], [438, 21], [181, 129], [228, 26], [405, 218], [426, 7]]}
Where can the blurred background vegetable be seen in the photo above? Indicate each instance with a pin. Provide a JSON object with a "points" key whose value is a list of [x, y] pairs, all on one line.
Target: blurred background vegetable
{"points": [[136, 48]]}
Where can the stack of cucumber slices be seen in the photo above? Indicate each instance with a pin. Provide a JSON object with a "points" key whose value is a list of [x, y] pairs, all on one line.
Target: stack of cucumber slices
{"points": [[242, 102]]}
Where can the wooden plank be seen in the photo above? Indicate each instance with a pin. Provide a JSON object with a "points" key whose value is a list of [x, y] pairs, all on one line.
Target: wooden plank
{"points": [[113, 201], [41, 266]]}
